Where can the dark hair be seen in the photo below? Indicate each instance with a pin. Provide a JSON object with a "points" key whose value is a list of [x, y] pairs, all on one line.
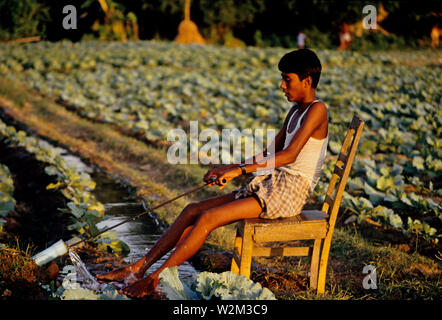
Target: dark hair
{"points": [[304, 63]]}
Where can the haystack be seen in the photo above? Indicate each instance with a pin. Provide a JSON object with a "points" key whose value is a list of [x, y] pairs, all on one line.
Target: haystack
{"points": [[188, 33], [187, 30]]}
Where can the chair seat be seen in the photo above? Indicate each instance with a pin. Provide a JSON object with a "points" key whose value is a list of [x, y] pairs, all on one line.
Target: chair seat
{"points": [[310, 224]]}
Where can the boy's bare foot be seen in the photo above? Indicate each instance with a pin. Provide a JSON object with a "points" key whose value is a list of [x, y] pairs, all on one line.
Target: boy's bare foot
{"points": [[128, 273], [141, 288], [115, 275]]}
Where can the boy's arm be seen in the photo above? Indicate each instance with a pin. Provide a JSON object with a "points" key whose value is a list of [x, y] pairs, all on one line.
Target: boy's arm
{"points": [[315, 117], [277, 143]]}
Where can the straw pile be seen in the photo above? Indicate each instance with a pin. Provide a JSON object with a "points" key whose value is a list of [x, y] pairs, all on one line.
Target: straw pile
{"points": [[188, 33], [187, 30]]}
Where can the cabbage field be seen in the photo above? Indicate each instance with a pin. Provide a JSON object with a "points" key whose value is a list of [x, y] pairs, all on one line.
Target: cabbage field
{"points": [[76, 187], [151, 87], [7, 201]]}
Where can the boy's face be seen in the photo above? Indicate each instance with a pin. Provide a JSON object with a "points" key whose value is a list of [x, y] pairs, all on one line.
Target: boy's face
{"points": [[294, 89]]}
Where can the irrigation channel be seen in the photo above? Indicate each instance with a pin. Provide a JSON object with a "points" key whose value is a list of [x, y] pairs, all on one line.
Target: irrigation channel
{"points": [[140, 234]]}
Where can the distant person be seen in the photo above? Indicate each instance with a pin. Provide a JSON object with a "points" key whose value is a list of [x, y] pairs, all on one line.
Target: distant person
{"points": [[435, 34], [301, 38], [344, 38]]}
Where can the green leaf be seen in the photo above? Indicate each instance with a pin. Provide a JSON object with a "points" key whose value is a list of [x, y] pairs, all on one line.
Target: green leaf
{"points": [[334, 146], [387, 216], [172, 286], [390, 197], [224, 286], [230, 286], [51, 170], [73, 291], [418, 163], [384, 183], [433, 205], [399, 182], [6, 207], [91, 220], [356, 183], [405, 200], [397, 169], [368, 147], [54, 185], [365, 203], [372, 176], [207, 287], [396, 221], [75, 210], [109, 239], [384, 170], [435, 164], [375, 196]]}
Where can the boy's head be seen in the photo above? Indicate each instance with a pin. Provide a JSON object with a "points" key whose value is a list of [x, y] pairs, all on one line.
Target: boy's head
{"points": [[304, 63]]}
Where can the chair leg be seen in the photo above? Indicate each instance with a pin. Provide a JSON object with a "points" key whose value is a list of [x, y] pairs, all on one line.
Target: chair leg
{"points": [[236, 250], [246, 251], [315, 264], [323, 264]]}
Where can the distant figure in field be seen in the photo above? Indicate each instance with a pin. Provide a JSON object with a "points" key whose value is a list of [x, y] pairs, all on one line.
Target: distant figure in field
{"points": [[344, 38], [301, 39], [435, 34]]}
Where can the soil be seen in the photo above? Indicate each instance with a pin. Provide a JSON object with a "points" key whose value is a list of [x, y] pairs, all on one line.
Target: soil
{"points": [[397, 239], [281, 281], [36, 220], [19, 276], [33, 225]]}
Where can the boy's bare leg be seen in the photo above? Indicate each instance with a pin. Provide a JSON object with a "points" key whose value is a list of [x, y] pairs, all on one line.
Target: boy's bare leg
{"points": [[208, 221], [171, 237]]}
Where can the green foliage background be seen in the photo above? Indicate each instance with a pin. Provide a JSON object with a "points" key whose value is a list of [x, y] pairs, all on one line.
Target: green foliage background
{"points": [[254, 22]]}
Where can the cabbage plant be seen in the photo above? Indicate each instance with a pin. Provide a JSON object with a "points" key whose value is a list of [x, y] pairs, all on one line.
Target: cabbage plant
{"points": [[212, 286]]}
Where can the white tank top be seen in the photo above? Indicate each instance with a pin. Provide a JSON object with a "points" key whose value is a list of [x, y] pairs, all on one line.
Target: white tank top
{"points": [[310, 159]]}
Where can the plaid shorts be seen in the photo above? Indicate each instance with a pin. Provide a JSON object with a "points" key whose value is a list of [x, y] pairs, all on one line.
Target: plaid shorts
{"points": [[281, 195]]}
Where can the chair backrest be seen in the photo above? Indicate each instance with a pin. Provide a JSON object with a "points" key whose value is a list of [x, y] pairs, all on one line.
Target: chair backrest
{"points": [[342, 170]]}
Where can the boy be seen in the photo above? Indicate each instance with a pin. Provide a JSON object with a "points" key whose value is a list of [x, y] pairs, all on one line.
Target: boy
{"points": [[300, 149]]}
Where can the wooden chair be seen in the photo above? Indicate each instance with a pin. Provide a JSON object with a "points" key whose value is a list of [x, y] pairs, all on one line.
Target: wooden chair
{"points": [[313, 225]]}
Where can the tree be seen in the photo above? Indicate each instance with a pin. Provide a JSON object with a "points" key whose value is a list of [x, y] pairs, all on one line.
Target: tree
{"points": [[117, 25], [23, 18], [223, 15]]}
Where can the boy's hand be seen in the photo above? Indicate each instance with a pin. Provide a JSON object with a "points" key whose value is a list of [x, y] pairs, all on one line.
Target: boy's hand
{"points": [[212, 176], [214, 173], [227, 176], [221, 176]]}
